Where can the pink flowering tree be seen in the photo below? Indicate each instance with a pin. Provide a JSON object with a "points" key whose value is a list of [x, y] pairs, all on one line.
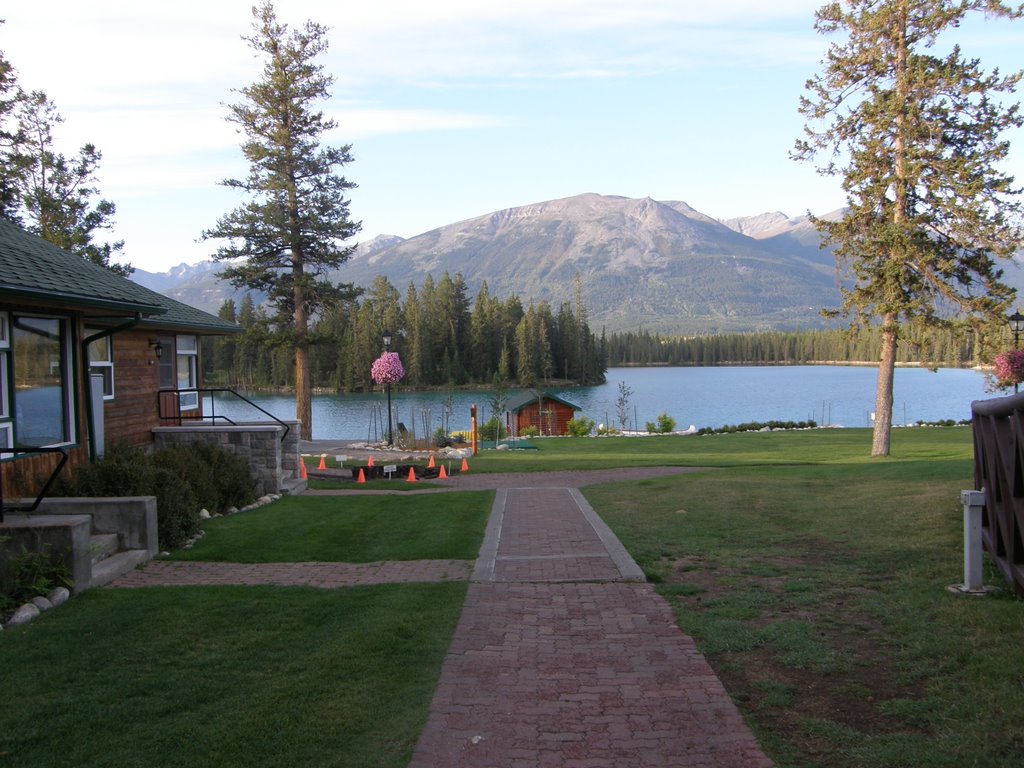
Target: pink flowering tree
{"points": [[387, 369], [1009, 368]]}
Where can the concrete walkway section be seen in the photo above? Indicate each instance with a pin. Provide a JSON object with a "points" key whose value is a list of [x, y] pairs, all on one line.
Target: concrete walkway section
{"points": [[562, 658]]}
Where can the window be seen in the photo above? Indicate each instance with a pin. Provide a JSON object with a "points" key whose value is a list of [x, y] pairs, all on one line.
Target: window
{"points": [[38, 378], [187, 354], [101, 361]]}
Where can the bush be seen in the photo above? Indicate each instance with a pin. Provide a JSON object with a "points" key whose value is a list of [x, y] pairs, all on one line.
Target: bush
{"points": [[757, 426], [492, 430], [25, 575], [530, 431], [580, 427], [664, 425], [183, 479]]}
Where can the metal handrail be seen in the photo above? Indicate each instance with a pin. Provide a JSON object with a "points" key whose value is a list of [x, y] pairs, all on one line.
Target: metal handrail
{"points": [[212, 416], [25, 450]]}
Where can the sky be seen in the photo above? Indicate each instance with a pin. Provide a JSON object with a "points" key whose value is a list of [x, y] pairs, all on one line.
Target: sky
{"points": [[453, 108]]}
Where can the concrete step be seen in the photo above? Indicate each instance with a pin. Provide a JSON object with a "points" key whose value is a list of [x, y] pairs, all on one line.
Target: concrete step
{"points": [[102, 546], [108, 569], [293, 486]]}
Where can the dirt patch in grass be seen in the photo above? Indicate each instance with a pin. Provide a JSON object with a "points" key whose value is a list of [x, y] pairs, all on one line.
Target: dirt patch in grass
{"points": [[810, 669]]}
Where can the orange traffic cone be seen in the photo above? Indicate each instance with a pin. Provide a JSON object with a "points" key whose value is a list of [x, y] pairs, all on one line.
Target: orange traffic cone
{"points": [[465, 466], [362, 477], [370, 462], [323, 462], [412, 476], [443, 475], [302, 469], [430, 464]]}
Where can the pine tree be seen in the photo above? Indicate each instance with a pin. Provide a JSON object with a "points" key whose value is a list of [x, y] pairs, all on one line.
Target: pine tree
{"points": [[929, 211], [56, 193], [290, 233]]}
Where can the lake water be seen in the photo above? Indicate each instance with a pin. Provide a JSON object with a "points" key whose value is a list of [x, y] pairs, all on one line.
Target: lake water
{"points": [[702, 397]]}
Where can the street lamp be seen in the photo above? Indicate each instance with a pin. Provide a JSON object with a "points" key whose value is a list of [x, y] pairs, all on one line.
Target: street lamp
{"points": [[387, 347], [1016, 326]]}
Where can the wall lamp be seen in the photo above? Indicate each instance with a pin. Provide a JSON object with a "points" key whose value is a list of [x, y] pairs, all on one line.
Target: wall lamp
{"points": [[158, 348]]}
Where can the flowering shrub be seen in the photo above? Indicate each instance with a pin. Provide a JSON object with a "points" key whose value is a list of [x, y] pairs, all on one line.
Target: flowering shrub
{"points": [[387, 369], [1009, 368]]}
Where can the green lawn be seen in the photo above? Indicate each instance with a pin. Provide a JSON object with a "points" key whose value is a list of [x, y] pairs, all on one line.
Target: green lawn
{"points": [[349, 529], [225, 676], [814, 578]]}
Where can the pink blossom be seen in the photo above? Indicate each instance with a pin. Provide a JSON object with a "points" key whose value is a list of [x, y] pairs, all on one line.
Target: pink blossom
{"points": [[1009, 368], [387, 369]]}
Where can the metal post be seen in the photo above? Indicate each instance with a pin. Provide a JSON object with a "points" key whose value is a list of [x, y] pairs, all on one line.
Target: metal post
{"points": [[974, 503], [391, 442]]}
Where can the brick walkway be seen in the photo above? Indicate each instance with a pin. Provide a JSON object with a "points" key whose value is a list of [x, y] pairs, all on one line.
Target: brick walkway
{"points": [[559, 659], [180, 573]]}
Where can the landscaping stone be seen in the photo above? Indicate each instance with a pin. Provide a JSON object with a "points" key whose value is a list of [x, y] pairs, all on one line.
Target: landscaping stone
{"points": [[204, 514], [23, 615], [58, 596], [42, 603]]}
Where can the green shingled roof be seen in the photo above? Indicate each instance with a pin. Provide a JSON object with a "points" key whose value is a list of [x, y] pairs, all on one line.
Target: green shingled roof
{"points": [[35, 271], [523, 399], [32, 269]]}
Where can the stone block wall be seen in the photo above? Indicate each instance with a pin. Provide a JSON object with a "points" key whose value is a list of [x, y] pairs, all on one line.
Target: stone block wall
{"points": [[273, 462]]}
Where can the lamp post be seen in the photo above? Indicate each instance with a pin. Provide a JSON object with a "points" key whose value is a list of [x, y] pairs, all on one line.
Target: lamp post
{"points": [[1016, 326], [387, 348]]}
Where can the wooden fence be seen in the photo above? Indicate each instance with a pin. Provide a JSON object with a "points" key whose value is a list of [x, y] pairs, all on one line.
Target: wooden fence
{"points": [[999, 472]]}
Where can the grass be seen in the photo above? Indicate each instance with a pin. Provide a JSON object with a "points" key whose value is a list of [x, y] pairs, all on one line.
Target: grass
{"points": [[349, 529], [811, 575], [226, 676], [814, 578]]}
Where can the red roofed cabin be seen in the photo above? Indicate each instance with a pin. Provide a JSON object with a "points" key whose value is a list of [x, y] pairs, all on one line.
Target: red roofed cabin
{"points": [[549, 413]]}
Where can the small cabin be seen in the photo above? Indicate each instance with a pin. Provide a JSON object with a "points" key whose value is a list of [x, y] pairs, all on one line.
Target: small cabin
{"points": [[549, 413]]}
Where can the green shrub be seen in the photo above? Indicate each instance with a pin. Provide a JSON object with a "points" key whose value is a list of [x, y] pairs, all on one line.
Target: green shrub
{"points": [[664, 425], [183, 479], [529, 431], [580, 427], [24, 575], [492, 430]]}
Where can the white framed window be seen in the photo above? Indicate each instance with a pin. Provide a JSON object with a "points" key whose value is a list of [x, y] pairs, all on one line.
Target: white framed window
{"points": [[101, 361], [187, 364], [39, 381]]}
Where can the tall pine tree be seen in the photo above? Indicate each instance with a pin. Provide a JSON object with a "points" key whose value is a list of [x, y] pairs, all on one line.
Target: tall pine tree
{"points": [[291, 233], [915, 136]]}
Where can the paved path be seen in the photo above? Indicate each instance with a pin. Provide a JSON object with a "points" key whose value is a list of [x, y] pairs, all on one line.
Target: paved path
{"points": [[182, 573], [561, 658]]}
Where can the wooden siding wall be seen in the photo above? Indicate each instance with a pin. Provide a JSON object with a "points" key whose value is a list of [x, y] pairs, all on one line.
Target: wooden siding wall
{"points": [[553, 418], [130, 417]]}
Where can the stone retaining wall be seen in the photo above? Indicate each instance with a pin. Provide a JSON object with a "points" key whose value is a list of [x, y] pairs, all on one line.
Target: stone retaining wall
{"points": [[273, 462]]}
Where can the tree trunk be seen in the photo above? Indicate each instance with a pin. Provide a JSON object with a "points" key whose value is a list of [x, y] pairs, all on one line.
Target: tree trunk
{"points": [[883, 393], [303, 392]]}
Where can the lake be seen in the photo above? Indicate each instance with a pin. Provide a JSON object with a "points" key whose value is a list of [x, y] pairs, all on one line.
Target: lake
{"points": [[702, 397]]}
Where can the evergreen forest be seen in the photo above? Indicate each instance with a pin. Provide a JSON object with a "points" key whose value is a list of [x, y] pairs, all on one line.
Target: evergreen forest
{"points": [[442, 337]]}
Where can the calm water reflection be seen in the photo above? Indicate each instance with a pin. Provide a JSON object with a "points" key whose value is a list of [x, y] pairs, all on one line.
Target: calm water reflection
{"points": [[703, 397]]}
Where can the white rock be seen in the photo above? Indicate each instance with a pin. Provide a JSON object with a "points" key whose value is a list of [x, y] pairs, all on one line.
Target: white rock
{"points": [[58, 596], [231, 511], [23, 615], [42, 603], [204, 514]]}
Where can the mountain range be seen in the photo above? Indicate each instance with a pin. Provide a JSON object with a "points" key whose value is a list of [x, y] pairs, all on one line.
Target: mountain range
{"points": [[660, 266]]}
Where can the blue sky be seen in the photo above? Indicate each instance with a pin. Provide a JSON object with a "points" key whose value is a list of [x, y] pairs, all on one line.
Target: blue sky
{"points": [[454, 108]]}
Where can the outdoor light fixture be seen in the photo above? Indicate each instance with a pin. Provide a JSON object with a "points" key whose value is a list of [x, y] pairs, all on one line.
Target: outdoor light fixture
{"points": [[387, 345], [158, 348], [1016, 325]]}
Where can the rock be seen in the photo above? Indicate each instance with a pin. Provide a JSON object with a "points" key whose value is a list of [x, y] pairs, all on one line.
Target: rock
{"points": [[42, 603], [23, 615], [264, 500], [231, 511], [58, 596], [502, 447], [204, 514]]}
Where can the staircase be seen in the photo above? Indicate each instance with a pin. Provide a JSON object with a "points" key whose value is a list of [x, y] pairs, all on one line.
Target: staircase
{"points": [[109, 560]]}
